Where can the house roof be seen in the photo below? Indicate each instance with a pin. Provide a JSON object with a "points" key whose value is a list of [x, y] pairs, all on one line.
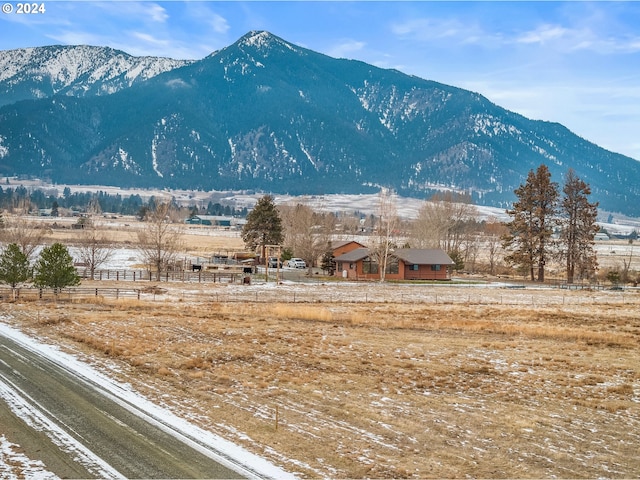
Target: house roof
{"points": [[354, 255], [342, 243], [421, 256], [414, 256]]}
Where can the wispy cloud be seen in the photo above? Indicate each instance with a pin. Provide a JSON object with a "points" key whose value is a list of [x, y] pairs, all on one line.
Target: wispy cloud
{"points": [[544, 34], [75, 37], [202, 13], [575, 39], [346, 48], [566, 33], [426, 29], [144, 12]]}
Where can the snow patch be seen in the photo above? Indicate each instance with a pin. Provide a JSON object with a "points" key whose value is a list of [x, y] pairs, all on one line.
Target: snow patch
{"points": [[207, 442], [15, 465], [154, 156], [4, 151]]}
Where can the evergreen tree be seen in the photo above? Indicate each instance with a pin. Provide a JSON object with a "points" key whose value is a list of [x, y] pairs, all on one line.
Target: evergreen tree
{"points": [[534, 216], [578, 228], [54, 268], [328, 261], [263, 227], [14, 266], [55, 209]]}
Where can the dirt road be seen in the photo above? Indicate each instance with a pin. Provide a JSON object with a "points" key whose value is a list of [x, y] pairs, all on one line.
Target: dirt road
{"points": [[89, 432]]}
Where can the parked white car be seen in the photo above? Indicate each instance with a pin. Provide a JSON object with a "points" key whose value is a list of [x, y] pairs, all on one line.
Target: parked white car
{"points": [[297, 263]]}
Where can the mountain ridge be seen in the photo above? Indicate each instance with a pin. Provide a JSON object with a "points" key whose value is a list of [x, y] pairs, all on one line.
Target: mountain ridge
{"points": [[73, 70], [264, 114]]}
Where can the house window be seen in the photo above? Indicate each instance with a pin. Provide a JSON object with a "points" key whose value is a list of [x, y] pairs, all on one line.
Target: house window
{"points": [[435, 268], [369, 265], [392, 265], [415, 267]]}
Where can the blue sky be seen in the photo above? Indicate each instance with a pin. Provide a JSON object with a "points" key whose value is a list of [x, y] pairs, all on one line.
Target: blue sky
{"points": [[576, 63]]}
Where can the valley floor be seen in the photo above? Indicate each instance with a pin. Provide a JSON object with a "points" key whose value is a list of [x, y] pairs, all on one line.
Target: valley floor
{"points": [[347, 380]]}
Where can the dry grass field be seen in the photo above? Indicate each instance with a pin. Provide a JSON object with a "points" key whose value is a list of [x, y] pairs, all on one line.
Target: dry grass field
{"points": [[396, 388]]}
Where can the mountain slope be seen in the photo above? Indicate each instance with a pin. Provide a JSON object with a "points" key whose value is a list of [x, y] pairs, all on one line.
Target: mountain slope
{"points": [[31, 73], [265, 114]]}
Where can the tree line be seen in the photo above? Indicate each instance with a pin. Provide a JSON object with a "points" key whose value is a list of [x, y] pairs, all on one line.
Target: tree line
{"points": [[547, 224], [159, 244], [22, 200]]}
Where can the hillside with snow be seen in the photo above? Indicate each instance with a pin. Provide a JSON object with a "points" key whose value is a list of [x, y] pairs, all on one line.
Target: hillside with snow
{"points": [[32, 73]]}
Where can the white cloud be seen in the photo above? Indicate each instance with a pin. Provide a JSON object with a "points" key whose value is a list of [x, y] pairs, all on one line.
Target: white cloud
{"points": [[346, 49], [67, 37], [219, 23], [200, 13], [544, 34], [144, 12], [427, 28], [568, 40], [150, 39], [604, 115], [436, 29]]}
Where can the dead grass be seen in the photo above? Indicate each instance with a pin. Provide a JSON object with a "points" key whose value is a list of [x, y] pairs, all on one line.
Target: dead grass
{"points": [[381, 390]]}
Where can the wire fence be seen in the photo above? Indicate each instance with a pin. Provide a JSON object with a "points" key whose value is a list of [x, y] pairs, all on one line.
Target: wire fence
{"points": [[201, 276], [334, 293]]}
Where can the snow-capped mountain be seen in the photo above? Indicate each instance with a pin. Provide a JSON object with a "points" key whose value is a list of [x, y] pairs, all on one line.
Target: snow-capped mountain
{"points": [[265, 114], [31, 73]]}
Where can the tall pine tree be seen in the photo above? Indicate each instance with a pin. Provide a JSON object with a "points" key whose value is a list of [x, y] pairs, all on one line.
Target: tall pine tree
{"points": [[14, 266], [263, 227], [534, 216], [54, 268], [578, 220]]}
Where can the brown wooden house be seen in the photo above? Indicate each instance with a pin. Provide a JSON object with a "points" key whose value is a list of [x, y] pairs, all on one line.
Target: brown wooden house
{"points": [[402, 264]]}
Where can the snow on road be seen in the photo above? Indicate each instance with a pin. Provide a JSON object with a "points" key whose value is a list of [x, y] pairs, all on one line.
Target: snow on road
{"points": [[15, 465], [10, 455]]}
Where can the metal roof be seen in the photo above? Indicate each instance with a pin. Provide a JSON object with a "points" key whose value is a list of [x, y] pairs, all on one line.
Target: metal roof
{"points": [[413, 256], [423, 256], [354, 255]]}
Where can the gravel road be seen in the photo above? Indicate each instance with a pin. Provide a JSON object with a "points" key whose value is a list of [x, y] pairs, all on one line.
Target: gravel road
{"points": [[80, 430]]}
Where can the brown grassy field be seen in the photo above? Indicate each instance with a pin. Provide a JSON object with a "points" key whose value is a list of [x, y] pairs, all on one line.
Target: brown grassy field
{"points": [[386, 389]]}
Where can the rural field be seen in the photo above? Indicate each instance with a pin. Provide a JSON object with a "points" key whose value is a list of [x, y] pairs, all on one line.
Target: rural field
{"points": [[363, 380], [378, 381]]}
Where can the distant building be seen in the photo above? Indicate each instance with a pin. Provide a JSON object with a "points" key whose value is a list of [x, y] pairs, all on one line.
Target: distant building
{"points": [[212, 220]]}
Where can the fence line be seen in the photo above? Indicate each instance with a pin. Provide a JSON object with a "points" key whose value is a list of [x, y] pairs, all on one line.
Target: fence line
{"points": [[202, 276], [310, 293]]}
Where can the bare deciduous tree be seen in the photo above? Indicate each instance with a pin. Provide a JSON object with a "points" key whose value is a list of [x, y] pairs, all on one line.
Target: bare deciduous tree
{"points": [[494, 231], [386, 229], [27, 235], [307, 232], [442, 222], [159, 241], [94, 248]]}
